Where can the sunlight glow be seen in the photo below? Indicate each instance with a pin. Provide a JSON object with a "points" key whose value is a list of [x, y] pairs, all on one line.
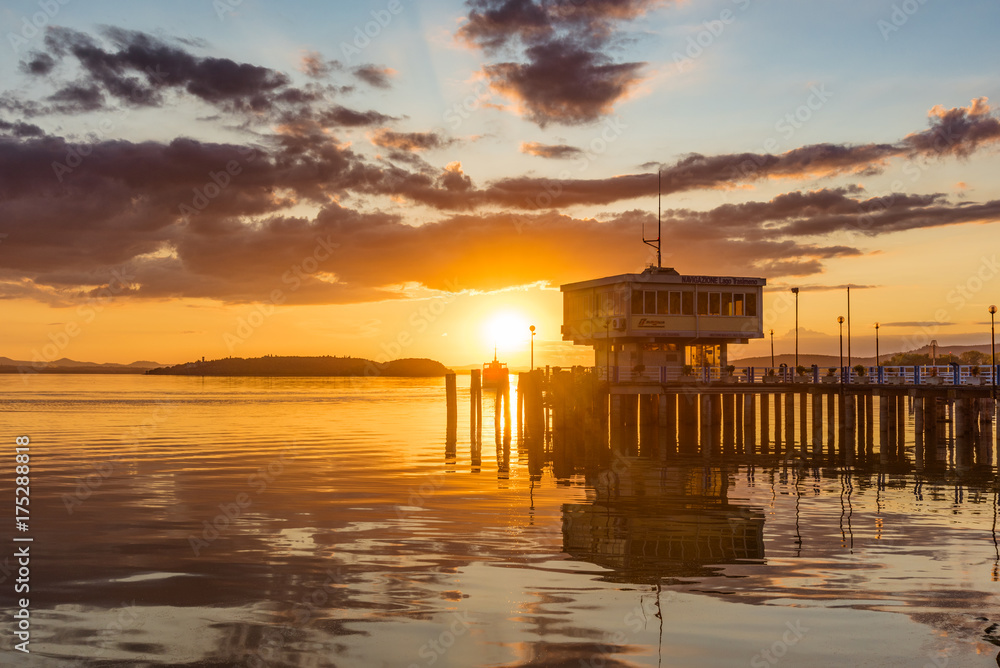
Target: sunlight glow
{"points": [[508, 331]]}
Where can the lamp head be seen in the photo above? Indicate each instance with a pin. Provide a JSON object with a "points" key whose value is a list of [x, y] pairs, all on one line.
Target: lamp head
{"points": [[795, 291], [840, 319], [532, 329], [993, 309]]}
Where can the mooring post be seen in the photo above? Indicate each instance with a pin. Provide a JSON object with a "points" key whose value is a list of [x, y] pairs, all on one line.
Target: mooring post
{"points": [[803, 418], [706, 423], [765, 422], [817, 421], [831, 421], [728, 421], [777, 422], [738, 402], [900, 424], [451, 393], [687, 418], [790, 419], [475, 387]]}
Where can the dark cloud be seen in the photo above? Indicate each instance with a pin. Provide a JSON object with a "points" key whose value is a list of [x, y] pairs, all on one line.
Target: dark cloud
{"points": [[555, 151], [564, 83], [20, 129], [40, 64], [373, 75], [917, 324], [567, 75], [958, 131], [410, 141], [339, 116], [316, 66], [75, 99]]}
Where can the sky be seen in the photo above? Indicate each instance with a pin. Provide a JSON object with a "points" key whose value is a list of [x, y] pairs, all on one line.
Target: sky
{"points": [[400, 179]]}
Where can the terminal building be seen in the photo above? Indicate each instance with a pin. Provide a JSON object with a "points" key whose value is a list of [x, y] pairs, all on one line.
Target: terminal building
{"points": [[646, 327]]}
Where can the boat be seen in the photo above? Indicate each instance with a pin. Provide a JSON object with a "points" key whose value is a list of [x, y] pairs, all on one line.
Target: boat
{"points": [[495, 373]]}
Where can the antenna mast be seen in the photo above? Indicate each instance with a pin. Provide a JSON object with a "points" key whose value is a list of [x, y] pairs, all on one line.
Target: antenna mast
{"points": [[649, 242]]}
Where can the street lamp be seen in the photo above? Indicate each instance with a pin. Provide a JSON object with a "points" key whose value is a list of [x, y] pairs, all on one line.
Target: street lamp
{"points": [[532, 329], [848, 326], [772, 348], [795, 291], [993, 348], [840, 319], [877, 364]]}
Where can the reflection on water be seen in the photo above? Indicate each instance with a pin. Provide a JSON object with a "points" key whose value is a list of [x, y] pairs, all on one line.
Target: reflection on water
{"points": [[330, 522]]}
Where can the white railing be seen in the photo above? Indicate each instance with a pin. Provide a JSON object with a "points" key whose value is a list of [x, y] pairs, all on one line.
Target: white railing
{"points": [[969, 375]]}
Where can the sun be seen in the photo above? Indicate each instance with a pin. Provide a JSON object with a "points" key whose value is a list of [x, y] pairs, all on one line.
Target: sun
{"points": [[508, 331]]}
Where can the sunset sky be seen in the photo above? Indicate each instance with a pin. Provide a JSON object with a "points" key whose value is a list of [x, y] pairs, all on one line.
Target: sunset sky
{"points": [[406, 179]]}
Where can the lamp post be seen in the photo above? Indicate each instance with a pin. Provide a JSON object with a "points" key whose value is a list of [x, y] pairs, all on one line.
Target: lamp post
{"points": [[532, 330], [795, 291], [877, 363], [840, 319], [993, 348], [772, 348], [848, 326]]}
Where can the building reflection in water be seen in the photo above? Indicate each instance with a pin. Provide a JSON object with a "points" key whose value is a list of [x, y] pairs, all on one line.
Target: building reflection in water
{"points": [[648, 521]]}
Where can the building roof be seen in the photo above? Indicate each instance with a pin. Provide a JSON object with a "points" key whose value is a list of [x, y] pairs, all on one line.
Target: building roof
{"points": [[663, 276]]}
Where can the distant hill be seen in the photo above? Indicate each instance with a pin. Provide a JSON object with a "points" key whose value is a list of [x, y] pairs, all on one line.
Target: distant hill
{"points": [[305, 366], [64, 365]]}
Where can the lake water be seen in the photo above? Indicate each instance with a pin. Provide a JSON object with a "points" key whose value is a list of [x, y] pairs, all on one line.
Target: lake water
{"points": [[327, 522]]}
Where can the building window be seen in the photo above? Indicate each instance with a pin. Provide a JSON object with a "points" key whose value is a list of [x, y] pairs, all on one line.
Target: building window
{"points": [[727, 303], [637, 302], [662, 302], [738, 304], [687, 303], [751, 305], [714, 303], [702, 303], [650, 302], [675, 303]]}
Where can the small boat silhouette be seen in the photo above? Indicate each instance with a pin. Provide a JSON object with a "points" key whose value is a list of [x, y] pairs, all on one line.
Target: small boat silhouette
{"points": [[495, 373]]}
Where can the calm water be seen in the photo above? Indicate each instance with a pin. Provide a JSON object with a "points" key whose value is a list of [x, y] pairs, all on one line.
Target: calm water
{"points": [[326, 522]]}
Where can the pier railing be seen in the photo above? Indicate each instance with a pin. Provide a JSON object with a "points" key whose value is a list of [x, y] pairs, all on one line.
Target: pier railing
{"points": [[949, 374]]}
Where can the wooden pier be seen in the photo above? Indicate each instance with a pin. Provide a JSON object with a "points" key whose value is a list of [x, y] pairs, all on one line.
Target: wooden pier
{"points": [[725, 417]]}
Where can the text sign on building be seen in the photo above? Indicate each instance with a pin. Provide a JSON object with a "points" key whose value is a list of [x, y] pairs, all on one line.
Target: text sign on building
{"points": [[721, 280]]}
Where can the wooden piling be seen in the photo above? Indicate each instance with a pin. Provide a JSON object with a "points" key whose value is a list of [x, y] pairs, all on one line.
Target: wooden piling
{"points": [[790, 419], [817, 422], [803, 418], [765, 422], [728, 421], [831, 422], [749, 423], [777, 423]]}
